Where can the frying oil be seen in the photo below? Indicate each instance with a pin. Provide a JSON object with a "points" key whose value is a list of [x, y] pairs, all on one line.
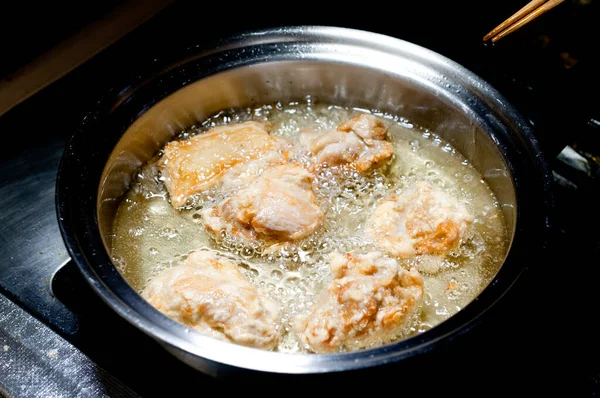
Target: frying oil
{"points": [[150, 235]]}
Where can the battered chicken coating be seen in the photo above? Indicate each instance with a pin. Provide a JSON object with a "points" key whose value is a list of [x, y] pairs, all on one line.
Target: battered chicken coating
{"points": [[368, 303], [243, 174], [421, 220], [359, 143], [209, 294], [280, 204], [198, 163]]}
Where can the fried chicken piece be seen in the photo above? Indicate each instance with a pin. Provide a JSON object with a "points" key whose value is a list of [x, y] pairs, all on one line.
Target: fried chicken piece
{"points": [[422, 220], [193, 165], [243, 174], [359, 143], [208, 293], [280, 204], [369, 302]]}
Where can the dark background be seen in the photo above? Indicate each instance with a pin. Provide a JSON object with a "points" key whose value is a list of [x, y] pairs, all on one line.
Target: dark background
{"points": [[547, 69]]}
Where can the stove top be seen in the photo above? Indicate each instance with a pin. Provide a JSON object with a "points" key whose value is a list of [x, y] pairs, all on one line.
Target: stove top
{"points": [[58, 338]]}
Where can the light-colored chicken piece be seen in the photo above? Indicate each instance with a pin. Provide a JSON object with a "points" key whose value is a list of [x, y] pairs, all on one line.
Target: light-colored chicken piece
{"points": [[280, 204], [242, 174], [359, 143], [208, 293], [368, 303], [422, 220], [193, 165], [368, 127]]}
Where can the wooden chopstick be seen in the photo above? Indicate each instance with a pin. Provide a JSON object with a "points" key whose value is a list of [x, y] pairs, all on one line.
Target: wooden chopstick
{"points": [[532, 10]]}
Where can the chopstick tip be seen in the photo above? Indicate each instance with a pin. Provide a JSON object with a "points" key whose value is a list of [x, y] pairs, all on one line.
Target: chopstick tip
{"points": [[529, 12]]}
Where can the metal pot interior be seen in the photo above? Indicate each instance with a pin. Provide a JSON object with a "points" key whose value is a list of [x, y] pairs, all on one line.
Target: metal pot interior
{"points": [[437, 108], [336, 66]]}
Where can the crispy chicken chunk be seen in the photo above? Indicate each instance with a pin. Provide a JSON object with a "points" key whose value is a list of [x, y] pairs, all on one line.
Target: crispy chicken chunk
{"points": [[280, 204], [196, 164], [359, 143], [421, 220], [209, 294], [368, 303]]}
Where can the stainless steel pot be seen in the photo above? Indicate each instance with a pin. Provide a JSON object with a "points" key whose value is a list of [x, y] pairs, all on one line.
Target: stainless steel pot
{"points": [[347, 67]]}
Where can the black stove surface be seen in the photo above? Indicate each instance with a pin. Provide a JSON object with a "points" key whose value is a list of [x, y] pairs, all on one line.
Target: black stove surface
{"points": [[547, 70]]}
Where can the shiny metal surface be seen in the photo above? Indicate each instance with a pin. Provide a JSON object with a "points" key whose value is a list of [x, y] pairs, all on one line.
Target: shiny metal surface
{"points": [[36, 362], [31, 247], [334, 65]]}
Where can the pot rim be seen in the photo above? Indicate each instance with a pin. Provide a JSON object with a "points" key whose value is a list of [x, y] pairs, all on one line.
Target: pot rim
{"points": [[79, 226]]}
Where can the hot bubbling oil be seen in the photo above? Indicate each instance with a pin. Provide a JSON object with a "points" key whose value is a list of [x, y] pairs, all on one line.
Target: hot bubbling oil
{"points": [[150, 235]]}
